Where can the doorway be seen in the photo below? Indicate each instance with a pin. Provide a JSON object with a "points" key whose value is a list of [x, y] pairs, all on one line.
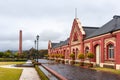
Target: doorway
{"points": [[97, 51]]}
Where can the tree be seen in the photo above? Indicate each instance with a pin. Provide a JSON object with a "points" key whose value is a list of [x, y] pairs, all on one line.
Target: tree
{"points": [[61, 56], [32, 53], [42, 53], [25, 54], [16, 55], [8, 54], [73, 57], [1, 54], [81, 57], [90, 55]]}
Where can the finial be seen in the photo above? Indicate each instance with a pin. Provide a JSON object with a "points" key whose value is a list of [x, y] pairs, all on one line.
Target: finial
{"points": [[75, 12]]}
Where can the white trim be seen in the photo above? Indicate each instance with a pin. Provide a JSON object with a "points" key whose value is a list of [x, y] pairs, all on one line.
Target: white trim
{"points": [[118, 66], [80, 26]]}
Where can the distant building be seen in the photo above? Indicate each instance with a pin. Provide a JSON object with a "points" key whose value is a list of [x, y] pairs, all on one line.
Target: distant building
{"points": [[103, 41]]}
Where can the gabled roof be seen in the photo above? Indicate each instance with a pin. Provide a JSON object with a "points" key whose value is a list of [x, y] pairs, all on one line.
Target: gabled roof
{"points": [[109, 27], [61, 43]]}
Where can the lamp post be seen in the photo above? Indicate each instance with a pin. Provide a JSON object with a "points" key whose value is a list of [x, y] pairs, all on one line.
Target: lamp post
{"points": [[35, 50], [37, 46]]}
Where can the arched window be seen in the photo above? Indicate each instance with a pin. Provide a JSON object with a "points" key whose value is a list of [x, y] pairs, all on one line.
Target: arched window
{"points": [[64, 53], [67, 54], [86, 49], [73, 51], [110, 51], [76, 52]]}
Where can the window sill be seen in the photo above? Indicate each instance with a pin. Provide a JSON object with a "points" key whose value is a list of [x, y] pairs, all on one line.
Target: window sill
{"points": [[110, 60]]}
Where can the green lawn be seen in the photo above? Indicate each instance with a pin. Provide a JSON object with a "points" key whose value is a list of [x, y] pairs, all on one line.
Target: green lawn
{"points": [[8, 63], [107, 70], [10, 74]]}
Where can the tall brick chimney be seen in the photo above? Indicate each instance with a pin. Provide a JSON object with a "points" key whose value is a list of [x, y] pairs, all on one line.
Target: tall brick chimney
{"points": [[20, 42]]}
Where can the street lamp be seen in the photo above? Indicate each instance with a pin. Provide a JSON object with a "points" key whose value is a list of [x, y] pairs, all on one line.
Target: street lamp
{"points": [[37, 46], [35, 49]]}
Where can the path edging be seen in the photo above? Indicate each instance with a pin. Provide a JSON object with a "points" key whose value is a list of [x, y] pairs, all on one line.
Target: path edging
{"points": [[54, 73]]}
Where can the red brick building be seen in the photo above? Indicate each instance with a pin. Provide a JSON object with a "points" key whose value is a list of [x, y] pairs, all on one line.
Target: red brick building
{"points": [[103, 41]]}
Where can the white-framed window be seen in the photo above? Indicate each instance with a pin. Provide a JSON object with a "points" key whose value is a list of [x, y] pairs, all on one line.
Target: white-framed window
{"points": [[110, 51]]}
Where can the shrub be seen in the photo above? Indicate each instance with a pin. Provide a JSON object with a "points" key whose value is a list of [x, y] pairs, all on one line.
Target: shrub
{"points": [[90, 55], [62, 56], [52, 55], [72, 56], [46, 56], [57, 55], [81, 56]]}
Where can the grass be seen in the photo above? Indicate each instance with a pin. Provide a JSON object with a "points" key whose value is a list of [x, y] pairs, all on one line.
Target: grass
{"points": [[41, 74], [9, 63], [10, 74], [13, 59], [107, 70]]}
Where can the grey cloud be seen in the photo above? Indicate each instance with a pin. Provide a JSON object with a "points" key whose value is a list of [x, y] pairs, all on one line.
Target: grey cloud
{"points": [[50, 35], [11, 45], [14, 36]]}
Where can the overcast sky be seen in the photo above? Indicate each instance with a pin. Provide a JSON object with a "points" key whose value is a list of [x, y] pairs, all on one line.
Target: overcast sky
{"points": [[51, 19]]}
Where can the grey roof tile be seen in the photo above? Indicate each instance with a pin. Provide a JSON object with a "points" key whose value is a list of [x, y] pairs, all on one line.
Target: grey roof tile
{"points": [[61, 43], [89, 30]]}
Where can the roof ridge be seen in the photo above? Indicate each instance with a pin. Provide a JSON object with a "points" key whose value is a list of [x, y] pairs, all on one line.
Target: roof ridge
{"points": [[91, 27]]}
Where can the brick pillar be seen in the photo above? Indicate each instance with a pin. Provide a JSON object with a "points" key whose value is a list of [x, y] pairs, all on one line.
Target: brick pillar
{"points": [[102, 50], [20, 42], [117, 52]]}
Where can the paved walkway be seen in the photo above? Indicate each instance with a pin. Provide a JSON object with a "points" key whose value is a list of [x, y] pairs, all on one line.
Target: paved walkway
{"points": [[29, 73]]}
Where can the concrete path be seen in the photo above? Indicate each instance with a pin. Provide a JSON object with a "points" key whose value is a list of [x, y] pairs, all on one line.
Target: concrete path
{"points": [[29, 73]]}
